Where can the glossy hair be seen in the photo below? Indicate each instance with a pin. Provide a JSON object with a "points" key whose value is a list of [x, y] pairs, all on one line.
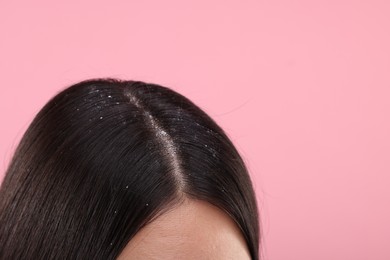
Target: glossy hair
{"points": [[103, 158]]}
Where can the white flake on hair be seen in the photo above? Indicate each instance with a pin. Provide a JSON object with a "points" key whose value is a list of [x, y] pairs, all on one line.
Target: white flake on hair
{"points": [[133, 100]]}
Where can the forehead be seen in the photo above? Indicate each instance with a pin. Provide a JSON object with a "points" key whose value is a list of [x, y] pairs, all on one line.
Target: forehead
{"points": [[192, 230]]}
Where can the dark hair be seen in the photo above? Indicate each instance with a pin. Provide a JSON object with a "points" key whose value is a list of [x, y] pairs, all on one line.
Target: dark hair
{"points": [[103, 158]]}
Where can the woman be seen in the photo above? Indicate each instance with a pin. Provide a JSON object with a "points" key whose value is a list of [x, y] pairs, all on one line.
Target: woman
{"points": [[114, 169]]}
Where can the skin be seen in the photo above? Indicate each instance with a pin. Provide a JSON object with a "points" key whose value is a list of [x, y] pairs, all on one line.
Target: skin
{"points": [[192, 230]]}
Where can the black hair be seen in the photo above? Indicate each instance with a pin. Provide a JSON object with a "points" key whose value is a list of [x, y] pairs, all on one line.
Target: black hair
{"points": [[103, 158]]}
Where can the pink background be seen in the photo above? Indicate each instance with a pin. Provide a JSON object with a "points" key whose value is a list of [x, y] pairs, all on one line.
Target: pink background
{"points": [[301, 87]]}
